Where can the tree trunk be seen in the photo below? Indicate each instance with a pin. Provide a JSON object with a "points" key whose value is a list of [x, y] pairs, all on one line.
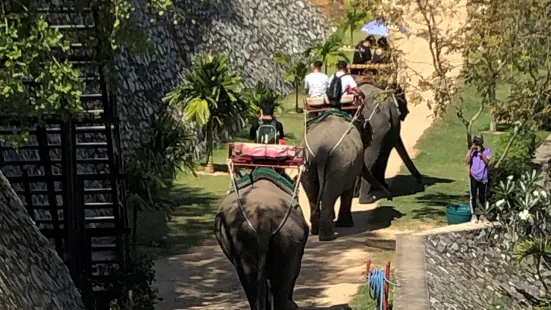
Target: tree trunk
{"points": [[493, 125], [351, 36], [507, 148], [325, 66], [296, 97], [209, 167]]}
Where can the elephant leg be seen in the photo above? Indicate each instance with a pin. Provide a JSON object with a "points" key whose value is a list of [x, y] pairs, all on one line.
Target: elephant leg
{"points": [[310, 185], [328, 200], [283, 282], [315, 214], [357, 186], [345, 212], [379, 169], [248, 275], [370, 157], [368, 177]]}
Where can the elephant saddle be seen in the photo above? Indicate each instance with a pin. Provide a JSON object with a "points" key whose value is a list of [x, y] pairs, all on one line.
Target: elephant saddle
{"points": [[268, 155], [281, 180], [319, 104]]}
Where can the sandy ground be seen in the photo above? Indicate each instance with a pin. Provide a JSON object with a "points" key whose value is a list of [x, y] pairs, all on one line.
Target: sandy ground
{"points": [[331, 271]]}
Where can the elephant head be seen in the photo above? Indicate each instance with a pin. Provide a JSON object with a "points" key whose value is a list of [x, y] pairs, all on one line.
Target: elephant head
{"points": [[245, 228]]}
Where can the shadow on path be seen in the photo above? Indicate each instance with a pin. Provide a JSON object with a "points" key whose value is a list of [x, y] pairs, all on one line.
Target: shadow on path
{"points": [[406, 184]]}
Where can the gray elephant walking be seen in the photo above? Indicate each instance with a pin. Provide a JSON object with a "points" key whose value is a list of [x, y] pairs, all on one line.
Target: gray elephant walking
{"points": [[336, 150], [385, 116], [250, 239]]}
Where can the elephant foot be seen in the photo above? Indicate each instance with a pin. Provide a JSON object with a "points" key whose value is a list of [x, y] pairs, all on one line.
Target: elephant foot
{"points": [[327, 236], [371, 198], [344, 223]]}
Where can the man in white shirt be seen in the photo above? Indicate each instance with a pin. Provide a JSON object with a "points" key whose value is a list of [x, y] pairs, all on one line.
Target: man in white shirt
{"points": [[348, 83], [316, 82]]}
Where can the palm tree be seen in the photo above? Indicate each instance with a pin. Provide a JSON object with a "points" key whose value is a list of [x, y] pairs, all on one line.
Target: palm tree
{"points": [[210, 96], [540, 250], [295, 71], [354, 16], [256, 95], [329, 51]]}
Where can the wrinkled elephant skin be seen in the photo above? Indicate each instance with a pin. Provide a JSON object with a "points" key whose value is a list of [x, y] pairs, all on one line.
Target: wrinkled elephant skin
{"points": [[335, 159], [385, 116], [257, 255]]}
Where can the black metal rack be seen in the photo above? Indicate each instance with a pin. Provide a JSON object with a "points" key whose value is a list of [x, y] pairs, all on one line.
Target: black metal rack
{"points": [[68, 176]]}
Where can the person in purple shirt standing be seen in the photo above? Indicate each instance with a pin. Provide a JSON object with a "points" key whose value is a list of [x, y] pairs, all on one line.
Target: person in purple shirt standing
{"points": [[478, 158]]}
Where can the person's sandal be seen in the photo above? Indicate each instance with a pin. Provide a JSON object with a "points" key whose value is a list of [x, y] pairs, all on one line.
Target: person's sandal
{"points": [[474, 219]]}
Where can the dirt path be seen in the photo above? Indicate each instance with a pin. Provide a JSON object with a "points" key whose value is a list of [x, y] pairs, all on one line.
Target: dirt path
{"points": [[331, 271]]}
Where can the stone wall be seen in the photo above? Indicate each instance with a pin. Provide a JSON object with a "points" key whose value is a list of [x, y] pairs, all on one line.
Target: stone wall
{"points": [[473, 269], [32, 275], [249, 31]]}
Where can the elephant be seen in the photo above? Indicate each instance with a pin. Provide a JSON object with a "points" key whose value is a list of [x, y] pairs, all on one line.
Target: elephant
{"points": [[264, 238], [335, 151], [385, 118]]}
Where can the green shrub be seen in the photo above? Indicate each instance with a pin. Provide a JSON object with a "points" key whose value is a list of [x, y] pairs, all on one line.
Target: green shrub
{"points": [[130, 287], [520, 154], [258, 94], [150, 171]]}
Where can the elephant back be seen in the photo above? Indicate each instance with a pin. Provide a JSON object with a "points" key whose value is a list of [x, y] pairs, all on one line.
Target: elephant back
{"points": [[325, 115], [268, 174]]}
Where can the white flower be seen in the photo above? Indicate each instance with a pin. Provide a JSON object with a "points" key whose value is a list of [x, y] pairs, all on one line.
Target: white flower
{"points": [[543, 194], [510, 178], [524, 215], [499, 203]]}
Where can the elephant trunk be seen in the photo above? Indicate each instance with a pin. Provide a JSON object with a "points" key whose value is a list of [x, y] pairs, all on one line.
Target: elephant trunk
{"points": [[401, 149]]}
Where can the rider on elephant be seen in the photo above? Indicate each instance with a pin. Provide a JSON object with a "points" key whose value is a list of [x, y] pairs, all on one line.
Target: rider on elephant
{"points": [[348, 84], [267, 129]]}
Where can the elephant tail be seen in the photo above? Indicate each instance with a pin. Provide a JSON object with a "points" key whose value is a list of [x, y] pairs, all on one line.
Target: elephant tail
{"points": [[321, 165], [262, 282], [222, 236]]}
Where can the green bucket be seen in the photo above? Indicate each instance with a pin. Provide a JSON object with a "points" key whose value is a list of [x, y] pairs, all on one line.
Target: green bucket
{"points": [[458, 214]]}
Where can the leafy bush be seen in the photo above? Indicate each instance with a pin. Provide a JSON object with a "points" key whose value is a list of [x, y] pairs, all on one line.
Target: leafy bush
{"points": [[211, 96], [523, 209], [256, 95], [149, 173], [130, 287], [520, 154]]}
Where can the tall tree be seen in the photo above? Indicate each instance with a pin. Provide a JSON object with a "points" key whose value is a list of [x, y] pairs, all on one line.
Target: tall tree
{"points": [[210, 96], [295, 71], [329, 51], [353, 18]]}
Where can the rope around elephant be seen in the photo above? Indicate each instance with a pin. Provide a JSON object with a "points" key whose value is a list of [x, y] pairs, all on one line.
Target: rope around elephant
{"points": [[289, 208]]}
